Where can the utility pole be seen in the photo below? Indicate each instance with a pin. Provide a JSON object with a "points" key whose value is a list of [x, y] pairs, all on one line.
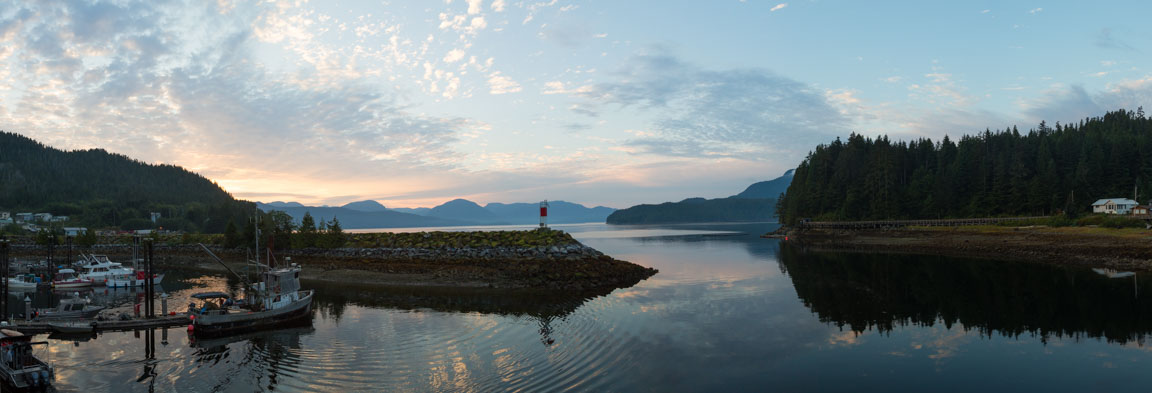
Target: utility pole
{"points": [[149, 291], [4, 284]]}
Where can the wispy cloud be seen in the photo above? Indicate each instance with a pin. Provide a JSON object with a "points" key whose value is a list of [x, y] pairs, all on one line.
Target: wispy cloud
{"points": [[743, 114], [778, 7], [1035, 11]]}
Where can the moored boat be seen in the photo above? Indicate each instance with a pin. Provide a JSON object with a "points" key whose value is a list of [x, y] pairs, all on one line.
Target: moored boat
{"points": [[72, 307], [274, 301], [23, 282], [19, 368], [67, 278], [100, 269], [136, 279]]}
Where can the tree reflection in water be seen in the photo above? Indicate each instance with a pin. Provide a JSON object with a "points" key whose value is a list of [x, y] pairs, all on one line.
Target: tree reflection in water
{"points": [[883, 292]]}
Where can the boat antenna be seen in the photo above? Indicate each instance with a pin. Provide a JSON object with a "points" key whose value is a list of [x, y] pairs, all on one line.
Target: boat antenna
{"points": [[242, 278]]}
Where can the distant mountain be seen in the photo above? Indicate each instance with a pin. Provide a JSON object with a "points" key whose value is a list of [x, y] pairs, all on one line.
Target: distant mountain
{"points": [[419, 211], [356, 219], [365, 206], [694, 210], [285, 204], [768, 189], [452, 213], [559, 212], [464, 210], [755, 203]]}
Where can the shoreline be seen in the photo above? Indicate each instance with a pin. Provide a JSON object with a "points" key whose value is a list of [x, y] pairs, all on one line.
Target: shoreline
{"points": [[1123, 249], [568, 267]]}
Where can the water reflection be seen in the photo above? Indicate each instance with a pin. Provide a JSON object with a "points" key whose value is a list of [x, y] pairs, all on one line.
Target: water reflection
{"points": [[883, 292]]}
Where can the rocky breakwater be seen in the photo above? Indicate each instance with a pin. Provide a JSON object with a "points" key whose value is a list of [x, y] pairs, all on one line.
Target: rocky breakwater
{"points": [[507, 259]]}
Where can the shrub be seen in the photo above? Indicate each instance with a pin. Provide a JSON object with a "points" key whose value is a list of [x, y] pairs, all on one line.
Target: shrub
{"points": [[1095, 219], [1122, 222]]}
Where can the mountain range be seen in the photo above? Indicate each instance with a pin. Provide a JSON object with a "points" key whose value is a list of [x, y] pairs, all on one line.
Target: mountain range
{"points": [[457, 212], [755, 203]]}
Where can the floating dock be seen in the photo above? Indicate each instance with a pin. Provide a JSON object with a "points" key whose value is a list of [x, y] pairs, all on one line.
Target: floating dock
{"points": [[36, 327]]}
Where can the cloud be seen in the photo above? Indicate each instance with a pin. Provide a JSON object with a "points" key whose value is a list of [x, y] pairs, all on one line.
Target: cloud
{"points": [[1074, 103], [184, 86], [498, 5], [740, 113], [1035, 11], [474, 6], [778, 7], [1106, 39], [500, 84]]}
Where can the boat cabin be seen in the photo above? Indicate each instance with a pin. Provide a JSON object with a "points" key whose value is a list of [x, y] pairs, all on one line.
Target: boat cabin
{"points": [[66, 275], [212, 303]]}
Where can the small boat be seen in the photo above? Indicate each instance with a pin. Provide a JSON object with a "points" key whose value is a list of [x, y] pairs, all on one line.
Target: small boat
{"points": [[18, 367], [71, 308], [136, 279], [23, 282], [66, 278]]}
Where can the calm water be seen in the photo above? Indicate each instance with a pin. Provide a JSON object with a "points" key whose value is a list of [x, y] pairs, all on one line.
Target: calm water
{"points": [[728, 311]]}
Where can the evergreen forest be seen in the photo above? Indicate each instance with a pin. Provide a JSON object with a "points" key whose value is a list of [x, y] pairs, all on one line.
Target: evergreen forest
{"points": [[1048, 170], [98, 189]]}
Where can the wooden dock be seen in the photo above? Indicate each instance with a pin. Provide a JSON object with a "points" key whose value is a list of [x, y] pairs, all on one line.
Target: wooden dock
{"points": [[906, 223], [37, 327]]}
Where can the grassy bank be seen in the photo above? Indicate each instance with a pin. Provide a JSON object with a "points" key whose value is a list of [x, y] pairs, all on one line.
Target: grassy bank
{"points": [[1093, 246]]}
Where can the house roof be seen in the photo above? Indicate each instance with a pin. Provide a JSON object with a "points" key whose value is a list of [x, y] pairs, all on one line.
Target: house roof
{"points": [[1118, 201]]}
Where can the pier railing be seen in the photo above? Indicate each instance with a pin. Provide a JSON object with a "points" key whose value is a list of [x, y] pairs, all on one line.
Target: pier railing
{"points": [[905, 223]]}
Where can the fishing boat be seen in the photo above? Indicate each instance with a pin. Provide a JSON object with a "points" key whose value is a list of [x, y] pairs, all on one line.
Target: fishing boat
{"points": [[135, 279], [274, 301], [23, 282], [71, 308], [67, 278], [19, 368]]}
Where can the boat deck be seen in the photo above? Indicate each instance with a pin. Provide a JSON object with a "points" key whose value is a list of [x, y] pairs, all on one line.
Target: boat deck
{"points": [[35, 327]]}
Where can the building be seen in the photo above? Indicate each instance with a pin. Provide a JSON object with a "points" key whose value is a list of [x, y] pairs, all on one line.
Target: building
{"points": [[1140, 210], [74, 231], [155, 216], [1113, 206], [59, 218], [43, 217], [25, 217], [5, 216]]}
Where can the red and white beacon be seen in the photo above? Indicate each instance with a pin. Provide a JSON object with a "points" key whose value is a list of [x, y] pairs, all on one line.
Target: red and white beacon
{"points": [[544, 214]]}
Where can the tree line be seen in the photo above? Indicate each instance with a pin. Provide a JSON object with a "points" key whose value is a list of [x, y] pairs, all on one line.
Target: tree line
{"points": [[279, 232], [98, 189], [1047, 170]]}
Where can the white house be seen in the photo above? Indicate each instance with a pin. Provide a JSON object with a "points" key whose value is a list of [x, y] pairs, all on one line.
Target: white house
{"points": [[24, 217], [5, 215], [1113, 206], [43, 217]]}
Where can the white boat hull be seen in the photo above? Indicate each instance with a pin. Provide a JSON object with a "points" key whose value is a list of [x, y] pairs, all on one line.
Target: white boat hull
{"points": [[133, 282], [72, 284]]}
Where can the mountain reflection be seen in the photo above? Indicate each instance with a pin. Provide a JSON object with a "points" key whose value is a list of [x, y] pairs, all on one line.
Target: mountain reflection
{"points": [[877, 291]]}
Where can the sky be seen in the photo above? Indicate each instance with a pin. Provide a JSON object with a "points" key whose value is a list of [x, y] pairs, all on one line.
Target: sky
{"points": [[613, 103]]}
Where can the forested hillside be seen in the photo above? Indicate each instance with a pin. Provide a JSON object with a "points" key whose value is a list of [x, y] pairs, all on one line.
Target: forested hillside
{"points": [[697, 210], [100, 189], [1043, 171]]}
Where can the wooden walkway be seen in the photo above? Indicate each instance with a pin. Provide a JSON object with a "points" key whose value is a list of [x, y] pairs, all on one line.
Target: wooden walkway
{"points": [[905, 223]]}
